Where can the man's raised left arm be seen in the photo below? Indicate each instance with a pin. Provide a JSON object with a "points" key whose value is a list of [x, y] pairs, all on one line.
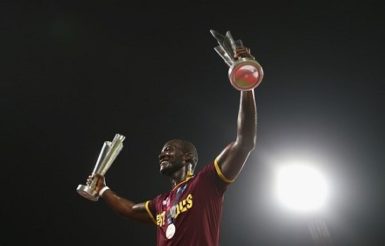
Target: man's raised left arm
{"points": [[231, 160]]}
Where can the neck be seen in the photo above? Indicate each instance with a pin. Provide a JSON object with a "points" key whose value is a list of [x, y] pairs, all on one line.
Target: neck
{"points": [[179, 176]]}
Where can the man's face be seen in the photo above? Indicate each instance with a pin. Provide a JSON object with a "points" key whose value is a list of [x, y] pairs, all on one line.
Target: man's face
{"points": [[171, 158]]}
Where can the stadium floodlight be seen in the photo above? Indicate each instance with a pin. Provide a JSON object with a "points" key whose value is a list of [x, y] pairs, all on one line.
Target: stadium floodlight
{"points": [[301, 188]]}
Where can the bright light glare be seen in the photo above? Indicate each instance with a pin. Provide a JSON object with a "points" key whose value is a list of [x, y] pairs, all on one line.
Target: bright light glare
{"points": [[301, 188]]}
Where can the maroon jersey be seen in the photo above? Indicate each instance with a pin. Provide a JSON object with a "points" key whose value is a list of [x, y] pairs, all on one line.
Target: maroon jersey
{"points": [[190, 213]]}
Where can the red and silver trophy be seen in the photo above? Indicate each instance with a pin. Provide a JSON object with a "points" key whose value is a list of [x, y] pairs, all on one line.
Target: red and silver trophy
{"points": [[245, 73], [107, 155]]}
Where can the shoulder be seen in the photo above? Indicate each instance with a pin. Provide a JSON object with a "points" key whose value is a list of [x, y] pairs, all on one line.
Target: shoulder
{"points": [[211, 178], [213, 171]]}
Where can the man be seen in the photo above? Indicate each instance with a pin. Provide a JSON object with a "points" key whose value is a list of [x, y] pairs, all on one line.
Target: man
{"points": [[190, 213]]}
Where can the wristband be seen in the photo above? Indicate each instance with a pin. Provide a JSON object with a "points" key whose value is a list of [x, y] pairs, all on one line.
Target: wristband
{"points": [[103, 190]]}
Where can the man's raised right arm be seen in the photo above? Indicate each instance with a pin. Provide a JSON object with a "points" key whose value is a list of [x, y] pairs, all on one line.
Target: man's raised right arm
{"points": [[122, 206]]}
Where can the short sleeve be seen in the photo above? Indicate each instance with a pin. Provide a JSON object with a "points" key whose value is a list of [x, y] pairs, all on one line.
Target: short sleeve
{"points": [[151, 209], [218, 170], [211, 177]]}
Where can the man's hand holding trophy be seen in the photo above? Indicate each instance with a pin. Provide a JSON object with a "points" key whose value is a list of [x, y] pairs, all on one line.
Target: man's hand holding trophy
{"points": [[107, 155]]}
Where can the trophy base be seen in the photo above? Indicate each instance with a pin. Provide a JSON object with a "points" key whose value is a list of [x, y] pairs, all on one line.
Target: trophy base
{"points": [[86, 192]]}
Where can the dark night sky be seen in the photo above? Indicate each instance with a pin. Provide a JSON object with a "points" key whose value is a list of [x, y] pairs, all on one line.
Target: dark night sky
{"points": [[75, 74]]}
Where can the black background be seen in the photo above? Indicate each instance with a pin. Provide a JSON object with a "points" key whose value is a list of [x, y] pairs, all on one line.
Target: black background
{"points": [[75, 73]]}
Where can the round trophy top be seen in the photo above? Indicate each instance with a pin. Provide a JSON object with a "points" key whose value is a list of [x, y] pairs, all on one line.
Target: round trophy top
{"points": [[245, 74]]}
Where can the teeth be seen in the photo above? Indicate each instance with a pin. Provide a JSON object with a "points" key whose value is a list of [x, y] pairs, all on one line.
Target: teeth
{"points": [[163, 162]]}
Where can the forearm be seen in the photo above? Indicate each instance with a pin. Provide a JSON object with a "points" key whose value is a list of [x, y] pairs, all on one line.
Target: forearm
{"points": [[126, 207], [234, 156], [246, 123]]}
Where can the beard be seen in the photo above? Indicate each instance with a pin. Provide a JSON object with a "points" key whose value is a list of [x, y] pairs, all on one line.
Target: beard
{"points": [[168, 168]]}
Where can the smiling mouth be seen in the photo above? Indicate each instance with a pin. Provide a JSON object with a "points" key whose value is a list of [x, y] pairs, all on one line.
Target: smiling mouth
{"points": [[164, 166], [164, 163]]}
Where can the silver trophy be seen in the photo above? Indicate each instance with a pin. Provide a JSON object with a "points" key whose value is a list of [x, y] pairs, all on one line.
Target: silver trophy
{"points": [[107, 155], [245, 73]]}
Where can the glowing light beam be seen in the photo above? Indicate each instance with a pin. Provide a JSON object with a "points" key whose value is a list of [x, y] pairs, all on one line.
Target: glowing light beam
{"points": [[301, 188]]}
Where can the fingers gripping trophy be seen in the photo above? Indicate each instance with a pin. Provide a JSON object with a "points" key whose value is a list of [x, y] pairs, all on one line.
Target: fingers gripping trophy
{"points": [[107, 155], [245, 73]]}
